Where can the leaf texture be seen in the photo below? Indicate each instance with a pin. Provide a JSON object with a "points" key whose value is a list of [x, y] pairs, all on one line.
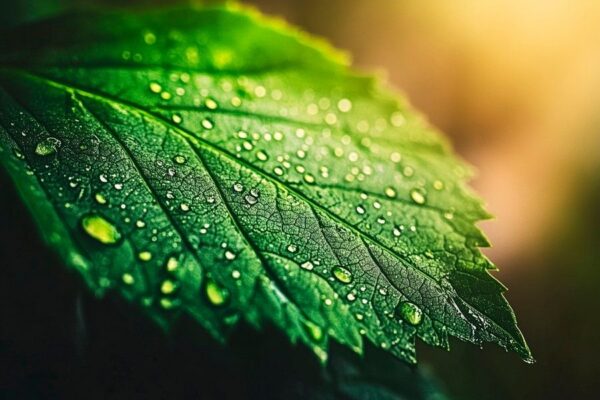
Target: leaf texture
{"points": [[220, 164]]}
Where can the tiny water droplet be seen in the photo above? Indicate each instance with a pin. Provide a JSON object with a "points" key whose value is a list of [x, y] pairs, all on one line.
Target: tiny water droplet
{"points": [[229, 255], [238, 187], [128, 279], [390, 192], [207, 123], [179, 159], [210, 104], [145, 256], [100, 199], [176, 118], [292, 248], [155, 87], [417, 196]]}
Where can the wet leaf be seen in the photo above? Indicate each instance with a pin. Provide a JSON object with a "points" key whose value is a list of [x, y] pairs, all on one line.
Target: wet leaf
{"points": [[216, 163]]}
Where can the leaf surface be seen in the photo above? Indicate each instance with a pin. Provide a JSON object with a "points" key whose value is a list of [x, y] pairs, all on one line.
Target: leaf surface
{"points": [[217, 163]]}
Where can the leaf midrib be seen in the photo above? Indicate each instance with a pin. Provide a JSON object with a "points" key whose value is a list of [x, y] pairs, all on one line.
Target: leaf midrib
{"points": [[188, 135]]}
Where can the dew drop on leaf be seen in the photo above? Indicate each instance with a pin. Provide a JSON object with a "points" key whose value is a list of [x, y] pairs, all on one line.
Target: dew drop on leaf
{"points": [[342, 274], [215, 294], [314, 331], [167, 287], [128, 279], [229, 255], [145, 256], [390, 192], [47, 146], [307, 265], [410, 313], [100, 199], [172, 264], [207, 124], [100, 229], [417, 196]]}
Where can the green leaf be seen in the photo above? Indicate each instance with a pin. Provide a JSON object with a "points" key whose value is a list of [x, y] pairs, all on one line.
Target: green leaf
{"points": [[215, 163]]}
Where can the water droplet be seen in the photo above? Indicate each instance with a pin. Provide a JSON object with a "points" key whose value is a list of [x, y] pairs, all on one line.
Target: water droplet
{"points": [[235, 274], [118, 186], [207, 123], [390, 192], [176, 118], [103, 178], [229, 255], [100, 229], [172, 264], [360, 210], [145, 256], [262, 156], [149, 37], [278, 171], [292, 248], [184, 207], [250, 199], [342, 274], [140, 224], [238, 187], [417, 196], [314, 330], [309, 178], [307, 266], [167, 287], [155, 87], [210, 104], [410, 313], [438, 185], [128, 279], [47, 146], [395, 157], [351, 296], [215, 294], [344, 105], [100, 199]]}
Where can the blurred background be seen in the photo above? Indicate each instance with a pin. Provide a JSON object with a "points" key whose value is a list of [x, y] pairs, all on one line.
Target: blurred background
{"points": [[516, 85]]}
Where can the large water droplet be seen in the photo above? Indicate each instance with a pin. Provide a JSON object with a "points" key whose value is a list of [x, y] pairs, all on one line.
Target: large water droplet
{"points": [[215, 294], [100, 229], [47, 146], [410, 313], [342, 274]]}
